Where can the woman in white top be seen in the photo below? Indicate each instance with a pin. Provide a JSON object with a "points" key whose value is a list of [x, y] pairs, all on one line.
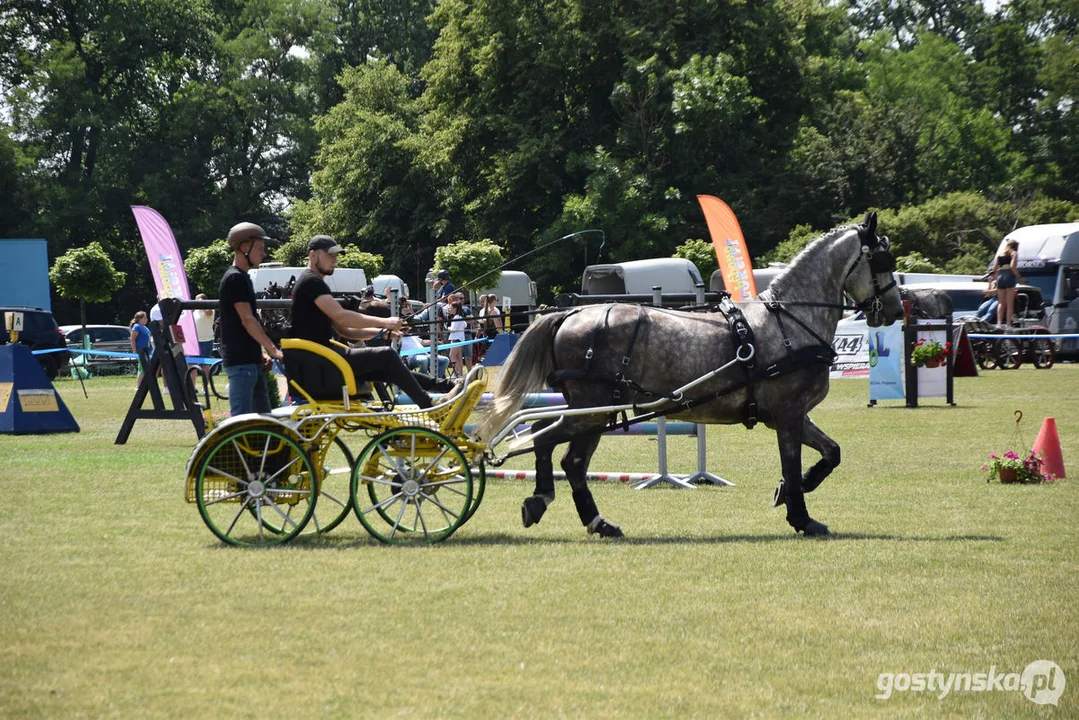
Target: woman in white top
{"points": [[457, 335], [204, 329]]}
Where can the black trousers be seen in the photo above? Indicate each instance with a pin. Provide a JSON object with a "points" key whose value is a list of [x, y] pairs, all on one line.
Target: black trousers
{"points": [[383, 364]]}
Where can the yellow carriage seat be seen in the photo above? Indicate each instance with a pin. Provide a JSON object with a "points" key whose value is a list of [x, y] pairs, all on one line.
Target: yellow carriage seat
{"points": [[321, 375]]}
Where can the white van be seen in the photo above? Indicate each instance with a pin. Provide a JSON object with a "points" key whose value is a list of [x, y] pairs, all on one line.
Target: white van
{"points": [[344, 281], [1049, 259], [638, 277], [384, 284]]}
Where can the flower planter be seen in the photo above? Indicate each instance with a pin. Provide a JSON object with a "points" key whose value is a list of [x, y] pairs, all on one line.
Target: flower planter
{"points": [[932, 363], [1008, 475]]}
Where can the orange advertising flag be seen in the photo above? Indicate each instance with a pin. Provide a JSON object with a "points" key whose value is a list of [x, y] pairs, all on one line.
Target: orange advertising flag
{"points": [[730, 246]]}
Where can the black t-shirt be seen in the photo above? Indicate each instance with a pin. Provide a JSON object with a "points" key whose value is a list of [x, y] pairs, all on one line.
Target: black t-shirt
{"points": [[237, 345], [307, 320]]}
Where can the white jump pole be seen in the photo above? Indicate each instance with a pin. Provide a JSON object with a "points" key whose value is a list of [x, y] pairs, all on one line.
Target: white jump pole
{"points": [[661, 435], [592, 476]]}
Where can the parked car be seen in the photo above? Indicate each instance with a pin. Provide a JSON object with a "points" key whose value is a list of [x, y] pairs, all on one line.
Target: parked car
{"points": [[39, 332], [111, 338]]}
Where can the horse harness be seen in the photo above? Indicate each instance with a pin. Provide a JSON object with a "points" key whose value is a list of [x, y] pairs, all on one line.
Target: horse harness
{"points": [[873, 250], [794, 359]]}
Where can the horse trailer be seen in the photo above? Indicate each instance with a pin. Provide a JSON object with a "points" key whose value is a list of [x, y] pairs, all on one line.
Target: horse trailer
{"points": [[638, 277]]}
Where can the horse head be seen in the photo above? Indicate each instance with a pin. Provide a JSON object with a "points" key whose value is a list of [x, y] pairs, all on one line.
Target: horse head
{"points": [[870, 280]]}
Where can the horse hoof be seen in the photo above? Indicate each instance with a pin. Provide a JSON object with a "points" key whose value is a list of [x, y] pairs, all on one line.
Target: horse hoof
{"points": [[604, 529], [532, 509], [814, 529], [780, 495]]}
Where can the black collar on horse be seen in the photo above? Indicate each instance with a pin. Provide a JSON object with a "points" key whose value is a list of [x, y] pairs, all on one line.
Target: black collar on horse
{"points": [[770, 357]]}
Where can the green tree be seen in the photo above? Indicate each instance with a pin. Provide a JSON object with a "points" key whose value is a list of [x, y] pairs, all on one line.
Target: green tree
{"points": [[370, 263], [471, 263], [915, 262], [205, 266], [701, 253], [371, 187], [86, 274]]}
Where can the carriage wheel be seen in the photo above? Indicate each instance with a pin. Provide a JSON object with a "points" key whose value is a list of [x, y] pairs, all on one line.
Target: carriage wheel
{"points": [[479, 487], [1042, 353], [418, 487], [1009, 354], [333, 490], [984, 350], [254, 486]]}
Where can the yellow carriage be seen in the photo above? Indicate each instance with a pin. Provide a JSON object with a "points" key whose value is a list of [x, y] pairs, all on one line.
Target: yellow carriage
{"points": [[264, 479]]}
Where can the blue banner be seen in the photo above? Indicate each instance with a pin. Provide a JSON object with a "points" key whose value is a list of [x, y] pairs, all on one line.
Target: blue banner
{"points": [[886, 363]]}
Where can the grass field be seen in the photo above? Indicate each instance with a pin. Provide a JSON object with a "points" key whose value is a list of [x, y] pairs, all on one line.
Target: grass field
{"points": [[118, 602]]}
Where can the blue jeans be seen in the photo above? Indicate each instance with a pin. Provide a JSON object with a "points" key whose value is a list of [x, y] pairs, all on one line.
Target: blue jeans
{"points": [[247, 390], [421, 361], [206, 348]]}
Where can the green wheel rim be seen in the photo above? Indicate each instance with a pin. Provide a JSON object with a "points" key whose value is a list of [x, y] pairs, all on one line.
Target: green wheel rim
{"points": [[334, 487], [479, 483], [254, 487], [411, 486]]}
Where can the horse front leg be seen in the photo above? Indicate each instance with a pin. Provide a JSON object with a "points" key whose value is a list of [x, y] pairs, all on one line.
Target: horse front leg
{"points": [[813, 437], [575, 465], [790, 437], [533, 508]]}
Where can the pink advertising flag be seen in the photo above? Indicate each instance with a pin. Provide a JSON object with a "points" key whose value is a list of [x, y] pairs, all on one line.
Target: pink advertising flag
{"points": [[167, 267]]}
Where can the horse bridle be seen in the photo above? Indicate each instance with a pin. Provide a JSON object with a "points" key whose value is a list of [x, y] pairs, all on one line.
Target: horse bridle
{"points": [[875, 251]]}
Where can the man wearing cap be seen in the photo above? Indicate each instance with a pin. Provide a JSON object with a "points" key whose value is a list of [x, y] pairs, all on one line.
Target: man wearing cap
{"points": [[315, 314], [242, 336], [443, 286]]}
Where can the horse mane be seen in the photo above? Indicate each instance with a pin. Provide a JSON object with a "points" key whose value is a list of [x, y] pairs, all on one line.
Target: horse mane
{"points": [[780, 284]]}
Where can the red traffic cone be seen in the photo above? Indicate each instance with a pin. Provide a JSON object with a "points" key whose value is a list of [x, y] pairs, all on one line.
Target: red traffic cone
{"points": [[1048, 444]]}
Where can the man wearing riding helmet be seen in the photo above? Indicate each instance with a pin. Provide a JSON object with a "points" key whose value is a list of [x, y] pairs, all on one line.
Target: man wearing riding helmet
{"points": [[242, 336]]}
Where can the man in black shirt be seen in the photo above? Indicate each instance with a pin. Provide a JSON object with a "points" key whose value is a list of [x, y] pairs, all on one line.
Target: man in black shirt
{"points": [[316, 314], [242, 337]]}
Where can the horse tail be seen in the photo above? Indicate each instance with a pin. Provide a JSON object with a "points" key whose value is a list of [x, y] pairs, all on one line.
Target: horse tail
{"points": [[525, 371]]}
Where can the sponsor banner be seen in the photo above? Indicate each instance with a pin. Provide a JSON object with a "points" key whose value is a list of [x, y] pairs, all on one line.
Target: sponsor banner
{"points": [[851, 346], [886, 363], [167, 267], [38, 400], [730, 247]]}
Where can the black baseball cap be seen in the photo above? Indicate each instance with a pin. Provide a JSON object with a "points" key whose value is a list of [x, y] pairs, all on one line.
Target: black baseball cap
{"points": [[443, 275], [325, 243]]}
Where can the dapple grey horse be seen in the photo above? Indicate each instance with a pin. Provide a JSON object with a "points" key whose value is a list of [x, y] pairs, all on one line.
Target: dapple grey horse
{"points": [[781, 345]]}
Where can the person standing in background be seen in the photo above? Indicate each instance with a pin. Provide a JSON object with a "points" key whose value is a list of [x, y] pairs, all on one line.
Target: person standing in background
{"points": [[1007, 277], [140, 339], [204, 329]]}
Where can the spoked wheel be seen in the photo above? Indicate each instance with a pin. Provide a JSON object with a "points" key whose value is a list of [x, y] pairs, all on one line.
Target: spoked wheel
{"points": [[333, 492], [411, 486], [1042, 352], [1009, 354], [479, 487], [985, 351], [255, 486]]}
